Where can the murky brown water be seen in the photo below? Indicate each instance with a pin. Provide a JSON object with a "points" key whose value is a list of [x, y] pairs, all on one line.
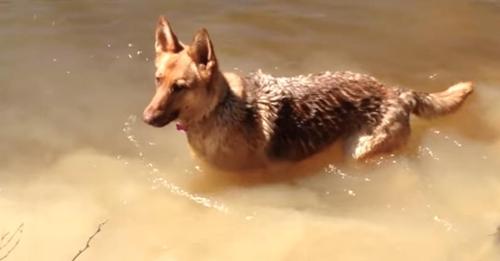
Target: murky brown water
{"points": [[74, 75]]}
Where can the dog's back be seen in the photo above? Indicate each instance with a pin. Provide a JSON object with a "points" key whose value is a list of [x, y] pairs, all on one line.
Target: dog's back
{"points": [[302, 115]]}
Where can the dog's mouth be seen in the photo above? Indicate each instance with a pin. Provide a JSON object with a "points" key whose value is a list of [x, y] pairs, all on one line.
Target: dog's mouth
{"points": [[163, 119]]}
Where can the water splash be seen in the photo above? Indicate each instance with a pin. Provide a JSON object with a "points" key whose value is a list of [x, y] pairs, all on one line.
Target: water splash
{"points": [[158, 178]]}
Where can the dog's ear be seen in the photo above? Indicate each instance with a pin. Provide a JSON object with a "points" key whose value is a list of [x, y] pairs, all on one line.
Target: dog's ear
{"points": [[202, 51], [166, 40]]}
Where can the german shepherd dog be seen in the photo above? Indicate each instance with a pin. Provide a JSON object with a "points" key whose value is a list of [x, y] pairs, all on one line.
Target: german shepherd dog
{"points": [[246, 122]]}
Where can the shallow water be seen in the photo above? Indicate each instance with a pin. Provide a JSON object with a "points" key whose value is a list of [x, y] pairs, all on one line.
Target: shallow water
{"points": [[75, 76]]}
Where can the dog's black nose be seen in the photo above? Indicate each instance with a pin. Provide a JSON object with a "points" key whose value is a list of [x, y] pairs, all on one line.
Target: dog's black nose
{"points": [[152, 120], [148, 118], [157, 118]]}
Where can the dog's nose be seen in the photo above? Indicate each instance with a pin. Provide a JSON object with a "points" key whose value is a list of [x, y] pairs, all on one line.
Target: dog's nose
{"points": [[148, 116], [154, 117]]}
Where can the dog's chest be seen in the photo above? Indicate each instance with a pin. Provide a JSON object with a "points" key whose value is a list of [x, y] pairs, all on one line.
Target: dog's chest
{"points": [[207, 142], [223, 145]]}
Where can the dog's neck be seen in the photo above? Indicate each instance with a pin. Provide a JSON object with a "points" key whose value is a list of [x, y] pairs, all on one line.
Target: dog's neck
{"points": [[220, 89], [223, 88]]}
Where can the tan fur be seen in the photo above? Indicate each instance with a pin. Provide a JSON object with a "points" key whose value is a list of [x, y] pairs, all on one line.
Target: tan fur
{"points": [[260, 121]]}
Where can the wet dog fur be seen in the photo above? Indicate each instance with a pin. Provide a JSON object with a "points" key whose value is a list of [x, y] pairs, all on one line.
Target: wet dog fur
{"points": [[245, 122]]}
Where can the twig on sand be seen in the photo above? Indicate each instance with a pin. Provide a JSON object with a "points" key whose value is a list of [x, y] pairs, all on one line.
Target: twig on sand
{"points": [[5, 241], [87, 245]]}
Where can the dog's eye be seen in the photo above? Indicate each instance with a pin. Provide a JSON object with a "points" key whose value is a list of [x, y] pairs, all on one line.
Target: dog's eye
{"points": [[178, 86], [158, 80]]}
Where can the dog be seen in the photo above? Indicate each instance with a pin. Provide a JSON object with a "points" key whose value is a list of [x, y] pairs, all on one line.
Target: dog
{"points": [[245, 122]]}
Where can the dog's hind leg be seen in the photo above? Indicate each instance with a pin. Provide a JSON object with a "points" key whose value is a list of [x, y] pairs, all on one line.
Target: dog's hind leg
{"points": [[392, 132]]}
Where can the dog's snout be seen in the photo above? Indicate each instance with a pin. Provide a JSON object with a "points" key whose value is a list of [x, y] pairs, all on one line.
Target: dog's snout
{"points": [[147, 118], [158, 118], [150, 116]]}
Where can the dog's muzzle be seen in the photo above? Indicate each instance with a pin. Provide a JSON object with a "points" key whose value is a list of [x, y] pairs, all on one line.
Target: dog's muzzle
{"points": [[159, 118]]}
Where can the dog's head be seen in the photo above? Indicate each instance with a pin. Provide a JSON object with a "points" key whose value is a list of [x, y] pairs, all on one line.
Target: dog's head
{"points": [[183, 76]]}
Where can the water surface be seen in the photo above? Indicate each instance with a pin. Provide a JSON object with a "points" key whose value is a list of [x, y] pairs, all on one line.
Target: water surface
{"points": [[76, 75]]}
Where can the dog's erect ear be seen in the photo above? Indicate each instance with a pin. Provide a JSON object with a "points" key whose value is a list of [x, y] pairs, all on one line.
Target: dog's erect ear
{"points": [[166, 41], [202, 51]]}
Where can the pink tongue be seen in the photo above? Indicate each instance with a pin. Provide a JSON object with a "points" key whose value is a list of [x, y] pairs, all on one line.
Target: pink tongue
{"points": [[180, 127]]}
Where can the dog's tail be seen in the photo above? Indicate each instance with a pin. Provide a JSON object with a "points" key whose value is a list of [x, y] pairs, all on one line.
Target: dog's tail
{"points": [[429, 105]]}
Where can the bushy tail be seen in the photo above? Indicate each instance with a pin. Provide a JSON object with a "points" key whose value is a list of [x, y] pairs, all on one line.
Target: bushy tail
{"points": [[430, 105]]}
